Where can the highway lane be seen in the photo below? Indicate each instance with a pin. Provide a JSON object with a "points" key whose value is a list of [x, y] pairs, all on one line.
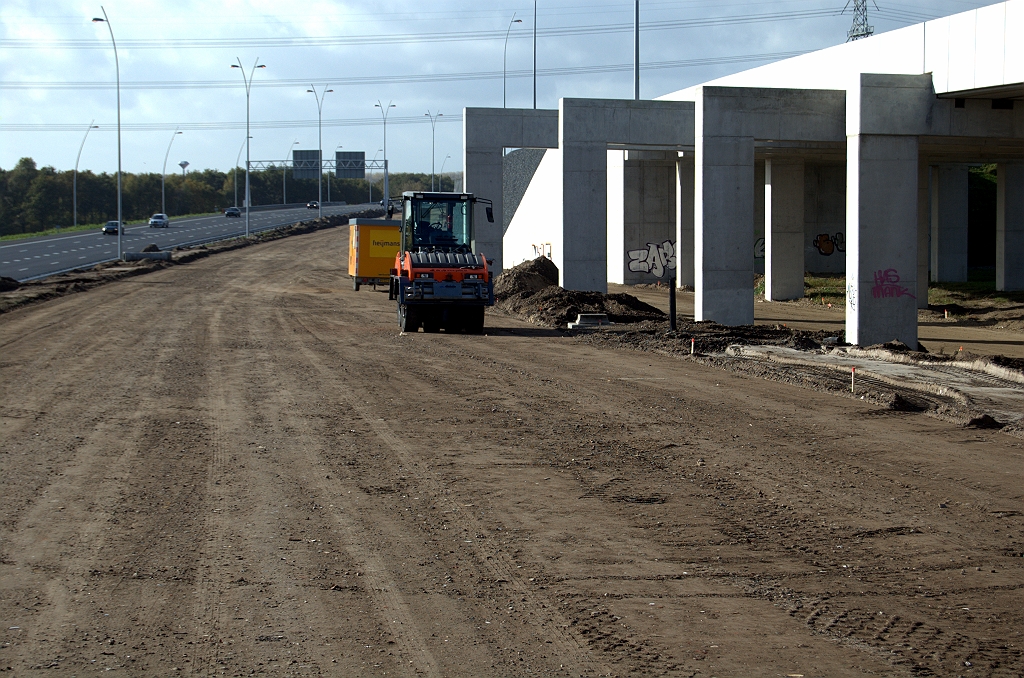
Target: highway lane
{"points": [[38, 257]]}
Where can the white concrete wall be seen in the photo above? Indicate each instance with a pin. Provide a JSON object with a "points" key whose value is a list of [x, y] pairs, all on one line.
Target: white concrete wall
{"points": [[616, 215], [538, 221], [974, 49]]}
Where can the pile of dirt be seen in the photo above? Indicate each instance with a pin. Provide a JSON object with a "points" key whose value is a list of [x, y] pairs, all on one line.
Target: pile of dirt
{"points": [[8, 284], [151, 248], [530, 291], [527, 277]]}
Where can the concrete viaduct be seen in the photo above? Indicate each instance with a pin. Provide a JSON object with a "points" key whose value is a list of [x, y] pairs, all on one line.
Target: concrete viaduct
{"points": [[851, 159]]}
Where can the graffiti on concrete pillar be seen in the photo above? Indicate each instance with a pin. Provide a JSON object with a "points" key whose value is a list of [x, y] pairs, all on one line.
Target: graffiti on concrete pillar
{"points": [[759, 248], [851, 296], [656, 259], [827, 244], [887, 285]]}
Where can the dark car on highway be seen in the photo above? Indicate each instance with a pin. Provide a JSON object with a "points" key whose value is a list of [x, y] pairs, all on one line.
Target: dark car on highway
{"points": [[312, 205], [110, 228], [233, 212]]}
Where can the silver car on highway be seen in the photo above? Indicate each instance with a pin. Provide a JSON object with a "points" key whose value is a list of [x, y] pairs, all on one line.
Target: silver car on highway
{"points": [[159, 220]]}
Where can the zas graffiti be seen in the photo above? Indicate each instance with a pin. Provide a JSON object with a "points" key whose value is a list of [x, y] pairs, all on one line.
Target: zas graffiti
{"points": [[827, 244], [656, 259], [759, 248], [887, 285]]}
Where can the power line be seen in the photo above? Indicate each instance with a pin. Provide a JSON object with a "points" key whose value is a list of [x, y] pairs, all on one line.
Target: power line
{"points": [[408, 38], [396, 79]]}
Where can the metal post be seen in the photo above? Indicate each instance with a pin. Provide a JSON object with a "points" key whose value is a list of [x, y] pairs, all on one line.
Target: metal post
{"points": [[672, 304], [74, 181], [163, 173], [534, 54], [117, 68], [233, 170], [433, 123], [636, 50], [248, 86], [504, 57]]}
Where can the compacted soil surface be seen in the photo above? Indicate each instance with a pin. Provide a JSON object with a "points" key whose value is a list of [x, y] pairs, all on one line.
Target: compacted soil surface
{"points": [[241, 467]]}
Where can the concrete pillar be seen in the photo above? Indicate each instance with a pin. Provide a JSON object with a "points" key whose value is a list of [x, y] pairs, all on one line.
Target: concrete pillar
{"points": [[949, 224], [1010, 226], [584, 264], [783, 229], [881, 232], [924, 230], [684, 221], [723, 217], [616, 216], [484, 180]]}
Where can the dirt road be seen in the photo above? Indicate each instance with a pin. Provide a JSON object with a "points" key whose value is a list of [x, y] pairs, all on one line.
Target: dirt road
{"points": [[239, 467]]}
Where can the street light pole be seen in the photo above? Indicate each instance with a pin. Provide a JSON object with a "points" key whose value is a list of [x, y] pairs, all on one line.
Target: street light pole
{"points": [[636, 50], [534, 54], [233, 170], [384, 114], [74, 182], [320, 146], [284, 174], [446, 158], [248, 85], [504, 57], [163, 173], [433, 124], [117, 69]]}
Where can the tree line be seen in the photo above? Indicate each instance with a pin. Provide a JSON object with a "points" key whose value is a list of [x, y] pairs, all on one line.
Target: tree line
{"points": [[34, 199]]}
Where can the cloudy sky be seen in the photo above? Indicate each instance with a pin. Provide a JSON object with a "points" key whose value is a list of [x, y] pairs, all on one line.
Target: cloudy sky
{"points": [[57, 68]]}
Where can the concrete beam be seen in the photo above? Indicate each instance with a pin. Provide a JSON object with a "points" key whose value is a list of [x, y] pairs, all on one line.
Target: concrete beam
{"points": [[783, 229], [949, 224], [881, 232], [1010, 226], [486, 132]]}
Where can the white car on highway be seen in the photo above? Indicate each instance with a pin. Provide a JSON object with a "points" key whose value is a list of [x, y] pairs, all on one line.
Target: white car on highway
{"points": [[159, 220]]}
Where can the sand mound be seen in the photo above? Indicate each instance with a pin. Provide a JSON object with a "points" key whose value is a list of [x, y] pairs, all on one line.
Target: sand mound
{"points": [[151, 248], [8, 284]]}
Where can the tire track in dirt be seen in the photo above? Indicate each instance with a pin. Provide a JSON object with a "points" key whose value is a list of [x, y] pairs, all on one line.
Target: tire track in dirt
{"points": [[498, 564]]}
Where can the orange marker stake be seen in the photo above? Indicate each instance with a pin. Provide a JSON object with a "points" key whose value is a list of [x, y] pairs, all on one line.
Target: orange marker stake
{"points": [[853, 375], [693, 343]]}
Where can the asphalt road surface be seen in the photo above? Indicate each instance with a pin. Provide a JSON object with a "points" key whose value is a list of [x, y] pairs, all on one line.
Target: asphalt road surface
{"points": [[32, 258], [240, 467]]}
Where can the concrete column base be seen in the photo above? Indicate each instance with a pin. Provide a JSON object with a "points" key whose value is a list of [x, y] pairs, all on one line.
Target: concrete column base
{"points": [[724, 233], [881, 228]]}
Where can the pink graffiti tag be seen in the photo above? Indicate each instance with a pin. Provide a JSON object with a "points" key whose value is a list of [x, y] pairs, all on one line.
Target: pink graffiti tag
{"points": [[887, 285]]}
